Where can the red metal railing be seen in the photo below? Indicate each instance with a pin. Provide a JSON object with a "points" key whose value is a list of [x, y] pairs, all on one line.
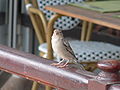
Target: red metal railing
{"points": [[39, 69]]}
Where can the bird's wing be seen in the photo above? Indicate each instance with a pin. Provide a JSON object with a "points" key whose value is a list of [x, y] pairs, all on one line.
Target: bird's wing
{"points": [[68, 47]]}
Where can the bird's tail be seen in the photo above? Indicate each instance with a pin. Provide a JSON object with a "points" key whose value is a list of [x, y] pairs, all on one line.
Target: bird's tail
{"points": [[79, 65]]}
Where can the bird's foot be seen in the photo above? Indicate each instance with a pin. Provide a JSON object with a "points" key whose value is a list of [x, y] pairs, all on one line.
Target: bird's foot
{"points": [[62, 66], [55, 64]]}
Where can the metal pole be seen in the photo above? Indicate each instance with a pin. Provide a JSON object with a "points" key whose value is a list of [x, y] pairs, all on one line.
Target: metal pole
{"points": [[15, 23], [10, 23]]}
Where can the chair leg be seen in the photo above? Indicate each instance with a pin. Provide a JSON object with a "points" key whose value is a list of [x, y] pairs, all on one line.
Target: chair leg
{"points": [[48, 88], [35, 85], [91, 67], [42, 54], [84, 30], [89, 31]]}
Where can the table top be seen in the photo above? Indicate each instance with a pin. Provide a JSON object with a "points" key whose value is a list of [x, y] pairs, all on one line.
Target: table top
{"points": [[105, 19]]}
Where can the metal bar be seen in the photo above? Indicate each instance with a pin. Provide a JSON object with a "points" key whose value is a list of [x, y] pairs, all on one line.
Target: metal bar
{"points": [[39, 69], [7, 12], [10, 25], [27, 47], [15, 13]]}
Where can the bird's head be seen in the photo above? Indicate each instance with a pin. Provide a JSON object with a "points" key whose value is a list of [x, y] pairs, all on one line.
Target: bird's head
{"points": [[57, 33]]}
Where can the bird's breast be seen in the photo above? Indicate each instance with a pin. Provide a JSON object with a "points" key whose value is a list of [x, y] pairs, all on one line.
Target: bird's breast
{"points": [[57, 45]]}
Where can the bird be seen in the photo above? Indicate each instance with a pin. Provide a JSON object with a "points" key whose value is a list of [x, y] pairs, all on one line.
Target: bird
{"points": [[63, 49]]}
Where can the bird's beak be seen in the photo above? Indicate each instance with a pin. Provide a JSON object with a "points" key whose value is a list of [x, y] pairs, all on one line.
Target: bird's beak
{"points": [[57, 33]]}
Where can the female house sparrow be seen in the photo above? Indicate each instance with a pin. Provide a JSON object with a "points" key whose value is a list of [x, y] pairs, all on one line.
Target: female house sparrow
{"points": [[62, 48]]}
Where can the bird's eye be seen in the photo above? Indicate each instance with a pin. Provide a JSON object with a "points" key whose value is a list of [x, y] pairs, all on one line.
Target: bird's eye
{"points": [[57, 33]]}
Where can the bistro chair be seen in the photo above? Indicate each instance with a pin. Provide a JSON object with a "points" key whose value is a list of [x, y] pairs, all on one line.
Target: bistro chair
{"points": [[87, 52]]}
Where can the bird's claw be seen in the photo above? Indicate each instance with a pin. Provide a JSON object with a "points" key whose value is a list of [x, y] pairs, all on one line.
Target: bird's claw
{"points": [[62, 66], [54, 64]]}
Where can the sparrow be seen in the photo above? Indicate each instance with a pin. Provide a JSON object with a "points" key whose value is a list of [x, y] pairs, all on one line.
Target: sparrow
{"points": [[63, 49]]}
